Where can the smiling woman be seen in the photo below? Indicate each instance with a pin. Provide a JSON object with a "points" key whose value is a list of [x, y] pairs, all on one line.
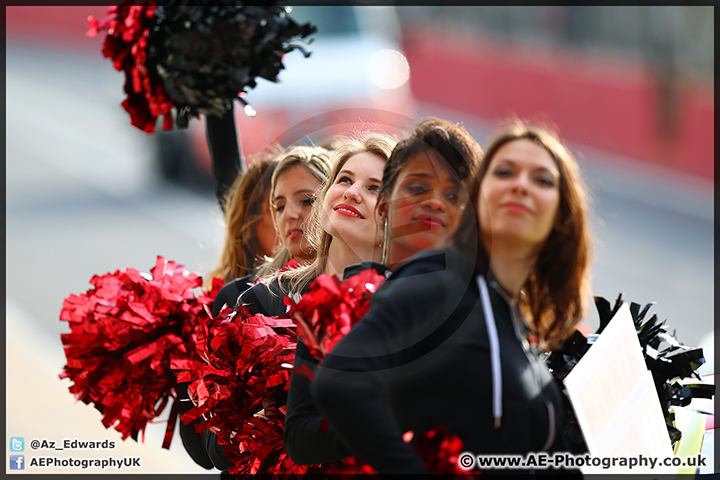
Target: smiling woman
{"points": [[348, 211], [341, 227], [520, 195], [532, 202], [346, 229]]}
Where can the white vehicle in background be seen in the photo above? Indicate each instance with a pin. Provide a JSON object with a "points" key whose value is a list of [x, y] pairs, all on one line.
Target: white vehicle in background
{"points": [[356, 75]]}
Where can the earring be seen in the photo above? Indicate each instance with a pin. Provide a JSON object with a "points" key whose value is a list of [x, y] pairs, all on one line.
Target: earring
{"points": [[386, 242]]}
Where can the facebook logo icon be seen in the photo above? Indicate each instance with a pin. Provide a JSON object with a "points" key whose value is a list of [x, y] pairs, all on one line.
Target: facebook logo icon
{"points": [[17, 462]]}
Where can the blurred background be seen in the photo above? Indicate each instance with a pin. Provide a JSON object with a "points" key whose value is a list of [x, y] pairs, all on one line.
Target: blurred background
{"points": [[630, 89]]}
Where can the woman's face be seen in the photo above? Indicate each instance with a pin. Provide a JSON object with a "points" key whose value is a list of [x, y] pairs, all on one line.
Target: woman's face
{"points": [[349, 207], [265, 232], [292, 202], [424, 205], [519, 195]]}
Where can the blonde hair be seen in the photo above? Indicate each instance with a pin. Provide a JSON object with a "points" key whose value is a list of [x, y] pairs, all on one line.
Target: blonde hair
{"points": [[380, 144], [317, 161], [245, 205]]}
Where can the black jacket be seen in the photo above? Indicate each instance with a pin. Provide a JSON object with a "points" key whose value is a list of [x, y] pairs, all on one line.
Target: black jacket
{"points": [[423, 357], [230, 293], [305, 441]]}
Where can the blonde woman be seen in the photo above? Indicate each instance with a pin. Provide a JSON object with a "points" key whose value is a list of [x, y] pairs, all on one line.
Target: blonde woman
{"points": [[298, 175], [342, 228], [343, 225]]}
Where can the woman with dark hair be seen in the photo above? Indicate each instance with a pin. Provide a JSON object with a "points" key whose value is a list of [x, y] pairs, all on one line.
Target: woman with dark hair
{"points": [[422, 194], [419, 203], [453, 337]]}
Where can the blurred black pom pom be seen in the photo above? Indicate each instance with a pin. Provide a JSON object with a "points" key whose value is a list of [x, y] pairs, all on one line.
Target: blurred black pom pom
{"points": [[210, 53]]}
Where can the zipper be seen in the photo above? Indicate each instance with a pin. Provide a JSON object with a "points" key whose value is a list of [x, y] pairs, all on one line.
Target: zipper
{"points": [[533, 360]]}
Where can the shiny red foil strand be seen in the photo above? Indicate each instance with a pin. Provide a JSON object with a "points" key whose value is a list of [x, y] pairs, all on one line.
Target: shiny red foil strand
{"points": [[123, 333], [128, 28], [245, 404], [241, 388], [327, 312]]}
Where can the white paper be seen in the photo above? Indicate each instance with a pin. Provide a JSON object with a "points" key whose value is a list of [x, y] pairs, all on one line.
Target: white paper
{"points": [[615, 401]]}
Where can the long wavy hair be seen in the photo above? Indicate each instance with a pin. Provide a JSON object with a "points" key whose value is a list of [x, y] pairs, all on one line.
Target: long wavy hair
{"points": [[380, 144], [246, 202], [317, 161], [554, 298]]}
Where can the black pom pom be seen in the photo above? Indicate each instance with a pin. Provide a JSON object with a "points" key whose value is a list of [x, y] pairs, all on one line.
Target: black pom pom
{"points": [[209, 52]]}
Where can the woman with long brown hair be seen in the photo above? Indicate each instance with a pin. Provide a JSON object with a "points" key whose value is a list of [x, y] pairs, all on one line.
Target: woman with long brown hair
{"points": [[454, 336], [250, 234]]}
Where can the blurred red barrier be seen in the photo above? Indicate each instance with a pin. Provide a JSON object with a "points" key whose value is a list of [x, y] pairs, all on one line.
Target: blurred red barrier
{"points": [[61, 26], [599, 102]]}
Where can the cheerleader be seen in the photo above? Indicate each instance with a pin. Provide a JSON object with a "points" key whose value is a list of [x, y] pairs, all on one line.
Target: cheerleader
{"points": [[336, 228], [299, 173], [292, 179], [452, 336], [419, 202], [343, 225]]}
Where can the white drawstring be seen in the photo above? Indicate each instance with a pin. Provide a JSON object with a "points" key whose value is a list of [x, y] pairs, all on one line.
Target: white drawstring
{"points": [[494, 350]]}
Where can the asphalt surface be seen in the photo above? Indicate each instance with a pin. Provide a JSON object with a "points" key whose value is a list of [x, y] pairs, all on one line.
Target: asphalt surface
{"points": [[82, 198]]}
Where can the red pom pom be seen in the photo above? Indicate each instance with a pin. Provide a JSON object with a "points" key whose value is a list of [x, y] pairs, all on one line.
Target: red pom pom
{"points": [[440, 451], [327, 312], [241, 389], [128, 28], [123, 333]]}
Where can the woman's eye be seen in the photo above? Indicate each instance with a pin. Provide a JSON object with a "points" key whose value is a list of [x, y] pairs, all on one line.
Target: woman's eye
{"points": [[502, 172], [545, 181], [279, 208], [307, 201], [344, 180], [374, 188], [453, 196], [416, 189]]}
